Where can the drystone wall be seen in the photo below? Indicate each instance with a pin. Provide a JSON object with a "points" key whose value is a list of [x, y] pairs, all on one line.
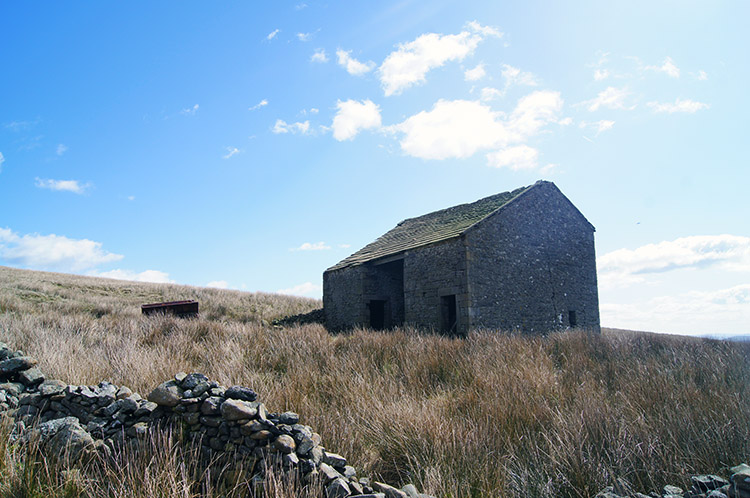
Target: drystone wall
{"points": [[82, 421], [702, 486]]}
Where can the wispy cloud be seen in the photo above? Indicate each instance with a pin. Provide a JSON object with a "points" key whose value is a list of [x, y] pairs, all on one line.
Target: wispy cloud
{"points": [[319, 56], [312, 246], [628, 266], [687, 106], [61, 149], [668, 67], [153, 276], [272, 34], [409, 64], [231, 151], [308, 289], [303, 37], [62, 185], [52, 252], [352, 65], [17, 126], [516, 158], [701, 75], [514, 76], [260, 104], [282, 126], [610, 98], [218, 284], [476, 73], [353, 116], [2, 160], [190, 111]]}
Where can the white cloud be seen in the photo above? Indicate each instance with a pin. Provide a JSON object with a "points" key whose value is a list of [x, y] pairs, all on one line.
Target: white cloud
{"points": [[190, 111], [601, 74], [603, 125], [345, 246], [303, 37], [312, 246], [231, 151], [720, 312], [668, 67], [565, 121], [475, 74], [153, 276], [352, 65], [408, 65], [62, 185], [353, 116], [218, 284], [131, 197], [628, 266], [517, 158], [52, 252], [514, 76], [687, 106], [319, 56], [702, 75], [2, 160], [488, 93], [460, 128], [260, 104], [60, 150], [272, 34], [611, 98], [484, 30], [307, 289], [282, 126]]}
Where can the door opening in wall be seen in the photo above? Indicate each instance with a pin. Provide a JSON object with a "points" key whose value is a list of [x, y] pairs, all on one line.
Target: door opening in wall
{"points": [[448, 315], [572, 318], [377, 314]]}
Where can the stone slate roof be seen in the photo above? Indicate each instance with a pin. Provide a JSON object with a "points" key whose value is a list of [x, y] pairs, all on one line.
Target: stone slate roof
{"points": [[429, 228]]}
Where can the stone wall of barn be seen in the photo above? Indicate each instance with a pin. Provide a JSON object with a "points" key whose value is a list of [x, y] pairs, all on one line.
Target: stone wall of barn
{"points": [[532, 266], [343, 298], [432, 273]]}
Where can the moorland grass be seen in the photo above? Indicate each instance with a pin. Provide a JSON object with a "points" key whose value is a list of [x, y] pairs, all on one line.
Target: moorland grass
{"points": [[490, 415]]}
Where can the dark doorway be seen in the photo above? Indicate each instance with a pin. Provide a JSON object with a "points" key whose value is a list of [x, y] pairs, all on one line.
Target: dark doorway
{"points": [[377, 314], [572, 318], [448, 314]]}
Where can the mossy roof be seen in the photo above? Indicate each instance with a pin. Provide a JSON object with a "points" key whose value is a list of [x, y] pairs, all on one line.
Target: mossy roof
{"points": [[430, 228]]}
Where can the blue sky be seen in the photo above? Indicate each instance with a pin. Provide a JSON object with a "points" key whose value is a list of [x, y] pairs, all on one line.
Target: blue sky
{"points": [[251, 145]]}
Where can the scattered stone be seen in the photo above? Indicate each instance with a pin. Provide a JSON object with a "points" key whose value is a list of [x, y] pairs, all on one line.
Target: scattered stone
{"points": [[15, 365], [389, 491], [338, 488], [288, 418], [284, 444], [31, 377]]}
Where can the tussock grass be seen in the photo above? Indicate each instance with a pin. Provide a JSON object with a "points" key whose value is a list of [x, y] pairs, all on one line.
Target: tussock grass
{"points": [[489, 415]]}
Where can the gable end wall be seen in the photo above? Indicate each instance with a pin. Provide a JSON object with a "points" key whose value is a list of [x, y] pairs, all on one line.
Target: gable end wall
{"points": [[532, 262]]}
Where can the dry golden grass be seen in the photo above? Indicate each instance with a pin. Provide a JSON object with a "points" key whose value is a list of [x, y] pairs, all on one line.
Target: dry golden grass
{"points": [[489, 415]]}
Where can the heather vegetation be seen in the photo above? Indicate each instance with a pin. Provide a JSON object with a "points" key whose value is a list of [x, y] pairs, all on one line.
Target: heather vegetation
{"points": [[490, 415]]}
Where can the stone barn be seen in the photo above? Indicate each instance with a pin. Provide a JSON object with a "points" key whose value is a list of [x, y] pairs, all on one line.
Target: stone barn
{"points": [[515, 261]]}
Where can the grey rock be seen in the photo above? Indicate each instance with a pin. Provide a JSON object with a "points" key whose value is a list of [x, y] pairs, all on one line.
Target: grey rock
{"points": [[211, 406], [328, 472], [129, 405], [210, 421], [235, 409], [241, 393], [15, 365], [290, 460], [145, 408], [31, 377], [166, 394], [607, 492], [288, 418], [123, 392], [66, 439], [284, 444], [334, 459], [338, 488], [672, 490], [192, 380], [261, 435], [708, 482], [370, 495], [304, 444], [350, 472], [179, 377], [411, 491], [139, 429], [12, 388], [389, 491]]}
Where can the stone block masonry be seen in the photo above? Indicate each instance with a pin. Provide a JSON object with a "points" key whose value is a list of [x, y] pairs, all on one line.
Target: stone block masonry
{"points": [[83, 421]]}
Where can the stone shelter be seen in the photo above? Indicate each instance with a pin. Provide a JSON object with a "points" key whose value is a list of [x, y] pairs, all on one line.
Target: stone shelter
{"points": [[516, 261]]}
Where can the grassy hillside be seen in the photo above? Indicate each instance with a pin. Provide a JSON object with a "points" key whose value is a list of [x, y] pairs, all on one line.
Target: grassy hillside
{"points": [[490, 415]]}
